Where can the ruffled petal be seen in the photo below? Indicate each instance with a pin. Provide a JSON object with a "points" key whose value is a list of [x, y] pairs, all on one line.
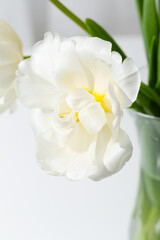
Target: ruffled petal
{"points": [[127, 78], [116, 110], [78, 139], [62, 161], [45, 55], [34, 94], [101, 74], [92, 117], [51, 158], [93, 47], [83, 166], [41, 121], [64, 121], [103, 139], [70, 71], [78, 99], [118, 153]]}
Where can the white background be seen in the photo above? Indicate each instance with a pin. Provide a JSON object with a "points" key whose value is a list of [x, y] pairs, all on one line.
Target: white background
{"points": [[31, 18], [36, 206]]}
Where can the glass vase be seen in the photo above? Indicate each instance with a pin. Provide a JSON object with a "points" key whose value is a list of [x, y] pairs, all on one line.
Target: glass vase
{"points": [[145, 223]]}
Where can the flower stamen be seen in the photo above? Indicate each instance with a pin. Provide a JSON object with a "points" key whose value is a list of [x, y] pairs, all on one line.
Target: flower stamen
{"points": [[76, 116]]}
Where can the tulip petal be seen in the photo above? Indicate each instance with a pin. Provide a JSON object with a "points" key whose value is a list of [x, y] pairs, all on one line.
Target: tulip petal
{"points": [[95, 47], [103, 139], [78, 99], [75, 138], [118, 153], [9, 60], [71, 73], [116, 58], [78, 139], [62, 161], [116, 110], [7, 74], [128, 82], [35, 94], [65, 122], [101, 75], [50, 157], [92, 117], [8, 35], [7, 98], [41, 121], [9, 54], [44, 57], [81, 167]]}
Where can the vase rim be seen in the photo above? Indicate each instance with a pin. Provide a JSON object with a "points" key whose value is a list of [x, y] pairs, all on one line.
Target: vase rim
{"points": [[146, 115]]}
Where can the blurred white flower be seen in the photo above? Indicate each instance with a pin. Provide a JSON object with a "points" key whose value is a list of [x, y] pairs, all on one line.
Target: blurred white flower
{"points": [[10, 56], [77, 89]]}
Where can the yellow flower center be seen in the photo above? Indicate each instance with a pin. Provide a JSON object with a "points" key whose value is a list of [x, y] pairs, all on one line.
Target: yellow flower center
{"points": [[100, 98], [76, 116], [105, 104]]}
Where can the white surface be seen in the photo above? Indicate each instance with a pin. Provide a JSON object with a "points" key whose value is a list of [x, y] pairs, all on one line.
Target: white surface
{"points": [[36, 206], [31, 18]]}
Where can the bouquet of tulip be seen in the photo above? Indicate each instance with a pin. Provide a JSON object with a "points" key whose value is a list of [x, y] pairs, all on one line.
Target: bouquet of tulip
{"points": [[77, 89]]}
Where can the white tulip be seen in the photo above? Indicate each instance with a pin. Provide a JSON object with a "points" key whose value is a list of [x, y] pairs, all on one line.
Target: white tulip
{"points": [[77, 89], [10, 56]]}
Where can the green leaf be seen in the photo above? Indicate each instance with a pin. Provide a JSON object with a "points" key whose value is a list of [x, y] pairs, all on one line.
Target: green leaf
{"points": [[153, 63], [150, 93], [96, 30], [140, 9], [159, 11], [137, 107], [149, 107], [148, 101], [150, 26], [158, 67]]}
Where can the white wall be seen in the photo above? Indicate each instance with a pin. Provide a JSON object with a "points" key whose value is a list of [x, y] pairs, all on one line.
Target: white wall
{"points": [[31, 18], [117, 16]]}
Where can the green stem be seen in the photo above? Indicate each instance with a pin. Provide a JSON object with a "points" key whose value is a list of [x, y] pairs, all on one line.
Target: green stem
{"points": [[25, 57], [70, 14]]}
